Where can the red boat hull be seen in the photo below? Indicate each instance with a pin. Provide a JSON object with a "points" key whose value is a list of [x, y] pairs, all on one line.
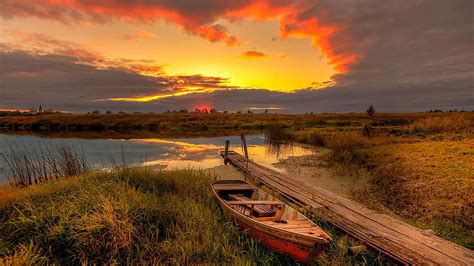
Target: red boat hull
{"points": [[304, 254]]}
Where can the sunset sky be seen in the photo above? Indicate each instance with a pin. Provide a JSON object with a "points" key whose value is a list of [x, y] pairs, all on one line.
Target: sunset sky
{"points": [[288, 56]]}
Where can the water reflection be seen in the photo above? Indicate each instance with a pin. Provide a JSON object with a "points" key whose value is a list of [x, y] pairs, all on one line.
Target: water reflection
{"points": [[160, 153]]}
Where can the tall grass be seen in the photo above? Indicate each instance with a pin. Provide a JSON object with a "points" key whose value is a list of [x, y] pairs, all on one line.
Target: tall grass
{"points": [[34, 164], [130, 216], [458, 123], [345, 146], [278, 133]]}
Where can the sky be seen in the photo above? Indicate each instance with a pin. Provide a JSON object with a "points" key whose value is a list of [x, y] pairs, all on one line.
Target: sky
{"points": [[286, 56]]}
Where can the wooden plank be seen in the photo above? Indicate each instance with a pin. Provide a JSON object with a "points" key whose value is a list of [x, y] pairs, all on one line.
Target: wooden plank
{"points": [[252, 202], [391, 236], [232, 187]]}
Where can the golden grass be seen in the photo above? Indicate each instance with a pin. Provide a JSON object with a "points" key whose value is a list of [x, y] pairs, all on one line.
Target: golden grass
{"points": [[457, 123], [430, 183]]}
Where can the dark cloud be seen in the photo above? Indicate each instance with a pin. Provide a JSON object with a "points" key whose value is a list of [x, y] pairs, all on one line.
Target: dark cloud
{"points": [[65, 83]]}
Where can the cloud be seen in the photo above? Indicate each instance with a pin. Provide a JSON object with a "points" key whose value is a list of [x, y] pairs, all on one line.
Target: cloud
{"points": [[138, 36], [416, 55], [253, 55], [68, 83]]}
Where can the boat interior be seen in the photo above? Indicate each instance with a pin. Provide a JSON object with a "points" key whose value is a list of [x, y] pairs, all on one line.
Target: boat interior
{"points": [[260, 206]]}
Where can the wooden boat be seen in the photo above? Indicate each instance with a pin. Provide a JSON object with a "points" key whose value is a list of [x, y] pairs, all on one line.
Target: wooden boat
{"points": [[275, 224]]}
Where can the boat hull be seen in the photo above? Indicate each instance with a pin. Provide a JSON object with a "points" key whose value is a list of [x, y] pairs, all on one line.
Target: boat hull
{"points": [[298, 252], [285, 230]]}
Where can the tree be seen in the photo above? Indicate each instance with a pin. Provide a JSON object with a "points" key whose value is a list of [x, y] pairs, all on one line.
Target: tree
{"points": [[96, 112], [371, 110], [108, 112], [266, 111], [212, 111]]}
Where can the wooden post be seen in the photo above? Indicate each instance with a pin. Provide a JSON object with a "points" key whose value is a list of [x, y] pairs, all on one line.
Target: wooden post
{"points": [[226, 154], [244, 143]]}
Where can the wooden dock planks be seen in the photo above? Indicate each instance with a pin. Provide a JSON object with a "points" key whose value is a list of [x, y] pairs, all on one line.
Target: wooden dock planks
{"points": [[399, 240]]}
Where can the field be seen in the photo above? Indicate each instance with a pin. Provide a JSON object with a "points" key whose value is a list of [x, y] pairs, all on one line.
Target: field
{"points": [[420, 169], [176, 124]]}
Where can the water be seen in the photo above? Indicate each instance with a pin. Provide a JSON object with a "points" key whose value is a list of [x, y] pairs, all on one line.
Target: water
{"points": [[160, 153]]}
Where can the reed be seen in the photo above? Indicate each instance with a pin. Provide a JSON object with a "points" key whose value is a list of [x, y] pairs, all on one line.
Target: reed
{"points": [[36, 163], [278, 133]]}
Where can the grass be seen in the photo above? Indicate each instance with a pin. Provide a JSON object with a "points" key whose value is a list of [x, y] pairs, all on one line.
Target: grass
{"points": [[421, 172], [34, 164], [124, 217], [191, 124], [429, 183]]}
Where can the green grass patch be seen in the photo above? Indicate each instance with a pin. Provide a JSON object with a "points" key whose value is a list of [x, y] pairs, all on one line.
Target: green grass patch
{"points": [[125, 217]]}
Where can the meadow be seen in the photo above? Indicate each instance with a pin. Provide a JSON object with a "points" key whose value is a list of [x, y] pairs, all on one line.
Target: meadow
{"points": [[420, 166]]}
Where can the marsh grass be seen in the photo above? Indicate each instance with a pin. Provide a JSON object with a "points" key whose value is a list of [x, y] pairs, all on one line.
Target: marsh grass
{"points": [[33, 164], [126, 217], [278, 133], [457, 123], [428, 184]]}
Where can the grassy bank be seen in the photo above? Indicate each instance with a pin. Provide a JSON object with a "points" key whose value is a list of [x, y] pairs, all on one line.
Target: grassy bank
{"points": [[136, 216], [125, 217], [422, 172]]}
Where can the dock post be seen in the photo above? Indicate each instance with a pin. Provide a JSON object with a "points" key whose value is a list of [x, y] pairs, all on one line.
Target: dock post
{"points": [[244, 143], [226, 153]]}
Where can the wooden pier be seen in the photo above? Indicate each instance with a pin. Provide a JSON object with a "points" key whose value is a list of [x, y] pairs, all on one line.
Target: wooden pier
{"points": [[394, 238]]}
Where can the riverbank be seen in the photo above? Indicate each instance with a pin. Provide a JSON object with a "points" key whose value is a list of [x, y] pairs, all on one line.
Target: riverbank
{"points": [[123, 217], [146, 125], [135, 215]]}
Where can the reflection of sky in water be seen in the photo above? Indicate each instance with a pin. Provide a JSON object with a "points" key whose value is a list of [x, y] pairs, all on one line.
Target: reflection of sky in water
{"points": [[170, 153]]}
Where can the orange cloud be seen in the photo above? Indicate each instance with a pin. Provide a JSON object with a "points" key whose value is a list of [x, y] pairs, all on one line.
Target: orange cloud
{"points": [[215, 33], [298, 19], [138, 36], [253, 55]]}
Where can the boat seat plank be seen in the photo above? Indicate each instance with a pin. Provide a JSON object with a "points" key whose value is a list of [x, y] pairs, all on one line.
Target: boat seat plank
{"points": [[221, 187], [253, 202], [260, 210]]}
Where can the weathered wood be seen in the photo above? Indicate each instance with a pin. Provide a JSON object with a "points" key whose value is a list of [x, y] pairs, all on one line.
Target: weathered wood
{"points": [[226, 153], [244, 143], [233, 187], [401, 241], [252, 202]]}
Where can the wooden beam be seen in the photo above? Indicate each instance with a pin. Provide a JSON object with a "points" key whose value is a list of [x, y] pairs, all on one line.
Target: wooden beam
{"points": [[244, 143], [226, 154]]}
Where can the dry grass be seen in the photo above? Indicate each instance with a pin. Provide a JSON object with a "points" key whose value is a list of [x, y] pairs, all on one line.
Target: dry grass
{"points": [[457, 123], [430, 183]]}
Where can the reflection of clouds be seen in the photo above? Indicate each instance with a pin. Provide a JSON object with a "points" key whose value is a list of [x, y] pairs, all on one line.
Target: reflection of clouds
{"points": [[159, 153]]}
